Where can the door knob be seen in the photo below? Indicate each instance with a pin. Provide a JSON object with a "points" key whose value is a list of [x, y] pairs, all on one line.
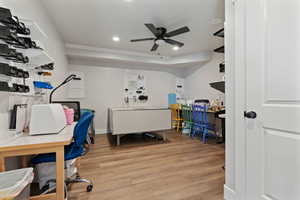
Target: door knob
{"points": [[250, 115]]}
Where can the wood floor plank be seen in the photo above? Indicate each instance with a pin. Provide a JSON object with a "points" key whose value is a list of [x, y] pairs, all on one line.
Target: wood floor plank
{"points": [[182, 169]]}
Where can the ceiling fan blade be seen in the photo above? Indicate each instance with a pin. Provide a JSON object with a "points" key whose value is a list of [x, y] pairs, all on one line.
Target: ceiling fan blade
{"points": [[140, 40], [152, 28], [174, 42], [178, 32], [155, 46]]}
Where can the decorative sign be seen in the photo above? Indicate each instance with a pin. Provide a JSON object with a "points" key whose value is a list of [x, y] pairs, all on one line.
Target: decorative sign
{"points": [[180, 89], [135, 88]]}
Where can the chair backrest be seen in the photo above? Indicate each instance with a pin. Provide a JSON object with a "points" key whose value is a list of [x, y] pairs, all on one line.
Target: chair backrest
{"points": [[200, 113], [186, 113], [201, 101], [81, 128], [175, 108], [84, 110]]}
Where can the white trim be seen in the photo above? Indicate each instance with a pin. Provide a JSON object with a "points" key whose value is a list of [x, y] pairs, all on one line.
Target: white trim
{"points": [[71, 46], [235, 103], [82, 51], [229, 194], [240, 98], [230, 94], [236, 100]]}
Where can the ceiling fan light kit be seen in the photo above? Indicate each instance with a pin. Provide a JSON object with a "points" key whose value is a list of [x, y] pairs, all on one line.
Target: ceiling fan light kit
{"points": [[162, 35]]}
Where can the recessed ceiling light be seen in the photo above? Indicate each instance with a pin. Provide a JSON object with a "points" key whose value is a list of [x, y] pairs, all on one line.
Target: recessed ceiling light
{"points": [[116, 39], [176, 48], [128, 1]]}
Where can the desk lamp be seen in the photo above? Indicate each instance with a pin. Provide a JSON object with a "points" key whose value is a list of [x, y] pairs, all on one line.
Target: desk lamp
{"points": [[67, 80]]}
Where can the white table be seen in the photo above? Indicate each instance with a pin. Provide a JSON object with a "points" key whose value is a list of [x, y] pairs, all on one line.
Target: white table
{"points": [[30, 145], [132, 120]]}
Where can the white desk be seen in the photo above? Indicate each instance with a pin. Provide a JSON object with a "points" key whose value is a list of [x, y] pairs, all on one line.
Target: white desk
{"points": [[30, 145], [130, 120]]}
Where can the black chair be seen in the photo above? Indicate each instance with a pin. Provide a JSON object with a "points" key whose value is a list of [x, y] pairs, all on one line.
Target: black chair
{"points": [[206, 101], [74, 105]]}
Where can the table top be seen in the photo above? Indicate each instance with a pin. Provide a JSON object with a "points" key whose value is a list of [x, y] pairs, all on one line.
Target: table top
{"points": [[62, 138], [135, 108]]}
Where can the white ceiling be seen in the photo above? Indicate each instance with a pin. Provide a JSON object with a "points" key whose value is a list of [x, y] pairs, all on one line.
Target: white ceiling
{"points": [[94, 22], [87, 28]]}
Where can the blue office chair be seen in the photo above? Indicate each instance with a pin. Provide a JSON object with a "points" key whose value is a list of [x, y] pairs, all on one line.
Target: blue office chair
{"points": [[91, 134], [74, 150]]}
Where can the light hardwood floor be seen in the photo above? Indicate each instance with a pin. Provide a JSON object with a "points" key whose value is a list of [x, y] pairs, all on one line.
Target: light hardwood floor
{"points": [[182, 169]]}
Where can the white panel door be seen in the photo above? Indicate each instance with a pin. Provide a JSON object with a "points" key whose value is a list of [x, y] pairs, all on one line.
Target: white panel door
{"points": [[273, 92]]}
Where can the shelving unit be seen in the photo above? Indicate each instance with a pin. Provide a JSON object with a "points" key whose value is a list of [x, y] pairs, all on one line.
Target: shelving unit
{"points": [[37, 57], [4, 78], [222, 67], [36, 32], [220, 86], [220, 49], [220, 33]]}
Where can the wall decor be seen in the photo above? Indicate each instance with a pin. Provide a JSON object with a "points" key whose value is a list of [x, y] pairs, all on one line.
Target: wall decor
{"points": [[135, 88]]}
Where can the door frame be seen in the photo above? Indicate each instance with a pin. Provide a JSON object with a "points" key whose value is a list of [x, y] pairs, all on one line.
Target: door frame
{"points": [[235, 57]]}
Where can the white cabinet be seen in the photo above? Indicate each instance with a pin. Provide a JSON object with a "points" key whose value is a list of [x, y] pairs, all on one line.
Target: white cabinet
{"points": [[139, 120]]}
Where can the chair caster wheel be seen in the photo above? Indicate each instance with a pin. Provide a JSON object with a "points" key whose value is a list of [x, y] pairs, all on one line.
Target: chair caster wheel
{"points": [[92, 140], [89, 188]]}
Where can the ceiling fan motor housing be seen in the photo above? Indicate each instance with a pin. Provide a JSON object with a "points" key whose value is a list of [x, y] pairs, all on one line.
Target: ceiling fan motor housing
{"points": [[162, 31]]}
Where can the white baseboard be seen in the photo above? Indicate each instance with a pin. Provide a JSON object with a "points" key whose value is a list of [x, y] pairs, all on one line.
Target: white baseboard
{"points": [[229, 194], [101, 131]]}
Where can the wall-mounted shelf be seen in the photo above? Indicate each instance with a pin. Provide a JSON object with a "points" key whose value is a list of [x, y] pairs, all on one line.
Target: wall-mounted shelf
{"points": [[220, 49], [41, 59], [220, 33], [222, 67], [16, 94], [5, 78], [37, 57], [220, 86], [36, 32]]}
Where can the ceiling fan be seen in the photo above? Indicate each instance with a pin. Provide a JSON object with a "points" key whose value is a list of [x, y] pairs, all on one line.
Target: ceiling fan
{"points": [[161, 35]]}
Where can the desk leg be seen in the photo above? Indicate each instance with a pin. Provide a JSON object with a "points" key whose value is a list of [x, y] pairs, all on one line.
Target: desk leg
{"points": [[165, 137], [118, 140], [60, 176], [2, 164]]}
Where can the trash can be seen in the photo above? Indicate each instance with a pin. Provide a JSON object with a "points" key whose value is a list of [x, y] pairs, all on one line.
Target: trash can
{"points": [[15, 185]]}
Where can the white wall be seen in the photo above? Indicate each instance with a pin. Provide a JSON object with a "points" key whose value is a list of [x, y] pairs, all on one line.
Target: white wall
{"points": [[33, 10], [104, 88], [198, 79]]}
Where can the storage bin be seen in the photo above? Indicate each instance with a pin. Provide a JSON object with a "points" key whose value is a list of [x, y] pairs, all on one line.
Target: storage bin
{"points": [[15, 185], [47, 171]]}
